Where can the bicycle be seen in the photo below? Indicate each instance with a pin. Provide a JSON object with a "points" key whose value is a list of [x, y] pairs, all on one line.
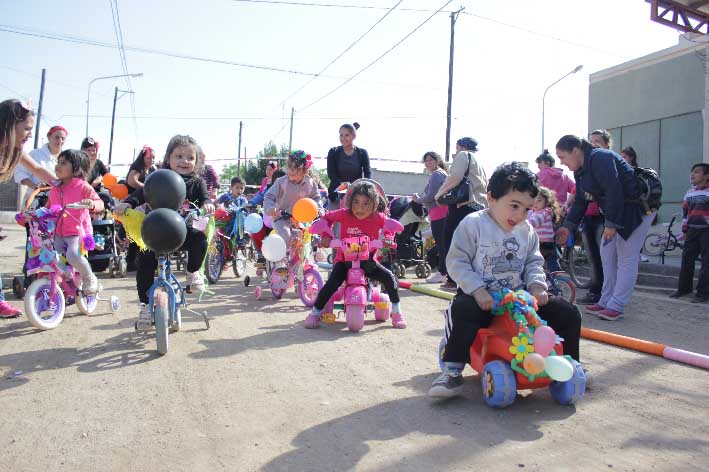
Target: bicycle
{"points": [[166, 301], [658, 244], [575, 262], [57, 284], [560, 285]]}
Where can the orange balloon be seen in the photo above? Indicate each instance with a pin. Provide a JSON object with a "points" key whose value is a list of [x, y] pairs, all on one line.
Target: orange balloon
{"points": [[533, 363], [305, 210], [109, 180], [120, 191]]}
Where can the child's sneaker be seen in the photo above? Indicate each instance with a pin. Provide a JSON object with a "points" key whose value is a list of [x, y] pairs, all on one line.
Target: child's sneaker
{"points": [[398, 320], [8, 311], [609, 315], [144, 322], [448, 384], [312, 321], [436, 278], [195, 282], [89, 285]]}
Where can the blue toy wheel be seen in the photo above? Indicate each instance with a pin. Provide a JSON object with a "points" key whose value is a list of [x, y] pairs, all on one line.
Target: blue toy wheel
{"points": [[499, 384], [441, 347], [571, 391]]}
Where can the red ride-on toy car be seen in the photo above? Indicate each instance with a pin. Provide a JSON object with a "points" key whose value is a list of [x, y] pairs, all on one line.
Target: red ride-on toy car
{"points": [[519, 352]]}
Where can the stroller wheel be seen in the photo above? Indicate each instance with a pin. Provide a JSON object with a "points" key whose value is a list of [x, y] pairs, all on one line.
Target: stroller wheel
{"points": [[421, 271], [18, 287], [122, 267], [111, 268]]}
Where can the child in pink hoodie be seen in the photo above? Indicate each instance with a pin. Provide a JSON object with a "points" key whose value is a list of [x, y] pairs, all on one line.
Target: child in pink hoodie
{"points": [[74, 225], [554, 178]]}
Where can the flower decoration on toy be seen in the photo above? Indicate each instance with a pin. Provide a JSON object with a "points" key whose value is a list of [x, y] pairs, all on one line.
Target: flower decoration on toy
{"points": [[533, 346], [220, 214], [253, 223], [273, 248], [305, 210], [47, 255], [521, 347]]}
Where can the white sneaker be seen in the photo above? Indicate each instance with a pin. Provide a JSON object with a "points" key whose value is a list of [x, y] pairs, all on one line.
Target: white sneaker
{"points": [[643, 258], [89, 285], [195, 281], [144, 322], [436, 278]]}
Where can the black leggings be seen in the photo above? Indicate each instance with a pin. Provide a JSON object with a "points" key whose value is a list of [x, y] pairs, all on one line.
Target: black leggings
{"points": [[372, 269], [465, 318], [196, 246]]}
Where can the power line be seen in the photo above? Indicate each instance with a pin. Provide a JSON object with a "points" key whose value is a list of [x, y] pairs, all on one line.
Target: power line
{"points": [[255, 118], [377, 59], [124, 62], [343, 52], [333, 5]]}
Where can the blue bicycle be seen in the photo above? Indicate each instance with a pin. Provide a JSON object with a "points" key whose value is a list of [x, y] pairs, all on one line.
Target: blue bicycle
{"points": [[166, 301]]}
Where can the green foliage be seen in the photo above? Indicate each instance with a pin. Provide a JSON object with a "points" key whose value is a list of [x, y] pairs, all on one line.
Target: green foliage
{"points": [[253, 171]]}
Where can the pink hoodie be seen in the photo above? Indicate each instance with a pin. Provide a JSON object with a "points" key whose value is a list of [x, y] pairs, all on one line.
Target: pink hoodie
{"points": [[74, 222], [554, 179]]}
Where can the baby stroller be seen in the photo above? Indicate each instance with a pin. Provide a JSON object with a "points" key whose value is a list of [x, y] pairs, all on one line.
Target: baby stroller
{"points": [[37, 199], [409, 243], [110, 249]]}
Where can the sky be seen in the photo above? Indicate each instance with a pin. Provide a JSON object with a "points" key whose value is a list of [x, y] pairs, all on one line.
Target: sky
{"points": [[252, 61]]}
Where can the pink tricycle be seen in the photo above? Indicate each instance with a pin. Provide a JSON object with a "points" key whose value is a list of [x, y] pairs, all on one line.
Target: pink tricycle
{"points": [[356, 294]]}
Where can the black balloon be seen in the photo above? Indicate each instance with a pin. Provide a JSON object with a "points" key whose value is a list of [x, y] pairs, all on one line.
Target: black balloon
{"points": [[163, 230], [164, 188]]}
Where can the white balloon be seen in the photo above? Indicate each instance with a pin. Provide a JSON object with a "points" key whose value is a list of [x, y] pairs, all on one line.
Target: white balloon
{"points": [[274, 248]]}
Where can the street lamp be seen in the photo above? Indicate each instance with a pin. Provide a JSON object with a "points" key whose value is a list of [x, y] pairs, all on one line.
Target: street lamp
{"points": [[576, 69], [88, 94]]}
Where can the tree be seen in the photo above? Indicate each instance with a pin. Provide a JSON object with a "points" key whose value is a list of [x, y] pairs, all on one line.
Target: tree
{"points": [[254, 172]]}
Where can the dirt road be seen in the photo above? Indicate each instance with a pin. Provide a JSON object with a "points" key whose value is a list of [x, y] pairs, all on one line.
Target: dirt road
{"points": [[257, 391]]}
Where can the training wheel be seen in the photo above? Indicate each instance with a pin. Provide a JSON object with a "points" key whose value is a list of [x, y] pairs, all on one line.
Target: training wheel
{"points": [[115, 304], [247, 281], [257, 292]]}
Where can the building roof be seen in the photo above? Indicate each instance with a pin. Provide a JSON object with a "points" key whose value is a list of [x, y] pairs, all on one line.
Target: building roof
{"points": [[691, 16]]}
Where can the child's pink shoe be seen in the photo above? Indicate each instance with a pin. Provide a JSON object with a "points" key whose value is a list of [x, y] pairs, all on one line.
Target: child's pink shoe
{"points": [[8, 311], [398, 320], [312, 321]]}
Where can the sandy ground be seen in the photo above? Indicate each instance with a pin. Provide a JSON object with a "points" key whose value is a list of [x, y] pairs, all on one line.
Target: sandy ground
{"points": [[257, 391]]}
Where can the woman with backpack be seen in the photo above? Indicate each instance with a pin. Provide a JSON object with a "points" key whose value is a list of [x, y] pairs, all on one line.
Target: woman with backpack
{"points": [[346, 163], [604, 177]]}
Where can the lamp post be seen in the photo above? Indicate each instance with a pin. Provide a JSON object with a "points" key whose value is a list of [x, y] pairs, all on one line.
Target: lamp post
{"points": [[576, 69], [88, 94]]}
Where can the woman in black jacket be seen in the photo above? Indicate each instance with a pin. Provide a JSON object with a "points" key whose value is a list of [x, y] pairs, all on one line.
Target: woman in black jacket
{"points": [[346, 163], [603, 176]]}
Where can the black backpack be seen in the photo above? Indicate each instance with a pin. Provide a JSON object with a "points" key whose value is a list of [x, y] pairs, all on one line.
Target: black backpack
{"points": [[650, 189]]}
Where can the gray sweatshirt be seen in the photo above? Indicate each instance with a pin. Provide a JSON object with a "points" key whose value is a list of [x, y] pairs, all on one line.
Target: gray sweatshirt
{"points": [[483, 255], [283, 193]]}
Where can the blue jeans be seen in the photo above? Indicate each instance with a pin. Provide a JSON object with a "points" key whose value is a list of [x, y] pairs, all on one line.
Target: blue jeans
{"points": [[620, 259]]}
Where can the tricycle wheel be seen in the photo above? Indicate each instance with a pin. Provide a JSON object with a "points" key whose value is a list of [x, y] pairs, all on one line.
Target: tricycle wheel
{"points": [[277, 292], [499, 384], [355, 317], [571, 391], [258, 292], [309, 287]]}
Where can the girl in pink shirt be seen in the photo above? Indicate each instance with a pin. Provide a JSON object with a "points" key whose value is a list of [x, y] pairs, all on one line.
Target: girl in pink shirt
{"points": [[74, 225], [545, 214], [362, 216]]}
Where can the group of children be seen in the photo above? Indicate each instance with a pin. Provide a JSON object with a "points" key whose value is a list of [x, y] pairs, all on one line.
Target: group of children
{"points": [[492, 249]]}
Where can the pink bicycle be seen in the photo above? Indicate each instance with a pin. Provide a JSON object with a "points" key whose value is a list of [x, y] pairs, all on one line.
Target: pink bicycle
{"points": [[297, 271], [57, 284], [356, 295]]}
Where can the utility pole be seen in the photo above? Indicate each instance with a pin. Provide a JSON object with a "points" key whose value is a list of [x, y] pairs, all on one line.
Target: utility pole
{"points": [[238, 158], [290, 139], [454, 17], [113, 121], [39, 109]]}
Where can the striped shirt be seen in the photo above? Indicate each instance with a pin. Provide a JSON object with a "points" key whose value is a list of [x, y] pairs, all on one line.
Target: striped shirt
{"points": [[541, 221], [695, 209]]}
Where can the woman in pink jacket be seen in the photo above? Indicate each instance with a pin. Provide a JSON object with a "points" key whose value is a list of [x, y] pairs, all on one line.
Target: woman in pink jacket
{"points": [[554, 178], [73, 230]]}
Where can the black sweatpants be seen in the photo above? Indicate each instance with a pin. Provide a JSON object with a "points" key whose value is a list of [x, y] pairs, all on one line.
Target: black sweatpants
{"points": [[696, 243], [464, 318], [453, 218], [438, 228], [196, 246], [590, 233], [372, 269]]}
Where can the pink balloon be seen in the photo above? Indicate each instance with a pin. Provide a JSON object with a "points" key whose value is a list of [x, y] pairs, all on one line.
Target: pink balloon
{"points": [[268, 221], [544, 340]]}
